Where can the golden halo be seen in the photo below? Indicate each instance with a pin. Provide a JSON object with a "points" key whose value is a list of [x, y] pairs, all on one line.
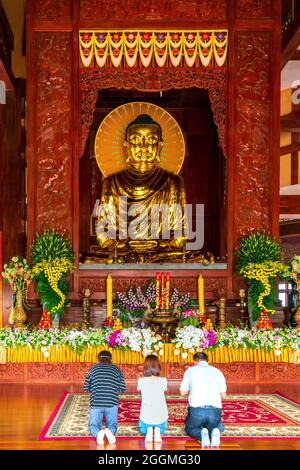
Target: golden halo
{"points": [[109, 148]]}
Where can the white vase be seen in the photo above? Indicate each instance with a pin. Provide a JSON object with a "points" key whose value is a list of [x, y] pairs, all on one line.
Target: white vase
{"points": [[250, 312], [55, 320]]}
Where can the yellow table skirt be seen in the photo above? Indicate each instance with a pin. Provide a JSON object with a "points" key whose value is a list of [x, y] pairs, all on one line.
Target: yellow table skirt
{"points": [[219, 355]]}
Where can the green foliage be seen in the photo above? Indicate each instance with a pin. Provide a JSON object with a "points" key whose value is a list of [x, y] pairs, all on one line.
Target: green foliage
{"points": [[48, 297], [51, 251], [51, 245], [194, 321], [255, 289], [257, 248]]}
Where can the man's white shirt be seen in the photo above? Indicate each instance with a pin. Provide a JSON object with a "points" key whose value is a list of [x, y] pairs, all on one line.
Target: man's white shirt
{"points": [[205, 384]]}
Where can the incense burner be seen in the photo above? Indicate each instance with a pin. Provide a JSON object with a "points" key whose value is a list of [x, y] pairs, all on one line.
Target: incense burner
{"points": [[164, 323]]}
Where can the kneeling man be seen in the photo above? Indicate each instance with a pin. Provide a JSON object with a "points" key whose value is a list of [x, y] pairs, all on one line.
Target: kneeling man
{"points": [[206, 386]]}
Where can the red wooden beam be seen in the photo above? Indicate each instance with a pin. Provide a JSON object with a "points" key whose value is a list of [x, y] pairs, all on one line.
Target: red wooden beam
{"points": [[290, 204], [290, 121], [295, 147]]}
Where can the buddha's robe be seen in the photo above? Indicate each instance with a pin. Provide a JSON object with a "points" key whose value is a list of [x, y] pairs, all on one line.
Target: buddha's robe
{"points": [[152, 189]]}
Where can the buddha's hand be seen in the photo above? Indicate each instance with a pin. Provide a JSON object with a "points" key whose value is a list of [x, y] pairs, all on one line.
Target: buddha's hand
{"points": [[106, 243], [177, 243]]}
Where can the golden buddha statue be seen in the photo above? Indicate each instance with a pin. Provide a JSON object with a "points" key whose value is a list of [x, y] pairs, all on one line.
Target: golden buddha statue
{"points": [[141, 184]]}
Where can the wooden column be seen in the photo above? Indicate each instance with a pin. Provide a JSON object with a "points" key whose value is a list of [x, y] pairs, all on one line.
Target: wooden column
{"points": [[49, 129], [254, 139], [294, 159]]}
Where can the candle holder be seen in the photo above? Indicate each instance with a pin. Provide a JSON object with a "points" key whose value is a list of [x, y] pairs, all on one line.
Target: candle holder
{"points": [[115, 257], [222, 313], [184, 253], [243, 310], [86, 321]]}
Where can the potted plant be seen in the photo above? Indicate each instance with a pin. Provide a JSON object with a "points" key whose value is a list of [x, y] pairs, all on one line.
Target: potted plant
{"points": [[258, 262], [52, 259]]}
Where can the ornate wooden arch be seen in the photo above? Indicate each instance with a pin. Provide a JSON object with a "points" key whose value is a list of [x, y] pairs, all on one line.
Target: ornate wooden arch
{"points": [[154, 79]]}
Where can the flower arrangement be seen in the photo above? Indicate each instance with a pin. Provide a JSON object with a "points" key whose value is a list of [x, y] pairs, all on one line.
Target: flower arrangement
{"points": [[136, 301], [188, 339], [189, 317], [292, 272], [139, 340], [264, 274], [253, 338], [52, 259], [259, 263], [193, 339], [18, 274]]}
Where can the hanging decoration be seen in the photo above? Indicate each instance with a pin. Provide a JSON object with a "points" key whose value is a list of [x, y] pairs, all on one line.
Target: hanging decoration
{"points": [[154, 48]]}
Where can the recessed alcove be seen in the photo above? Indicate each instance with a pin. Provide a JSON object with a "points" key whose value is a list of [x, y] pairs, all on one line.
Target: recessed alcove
{"points": [[204, 168]]}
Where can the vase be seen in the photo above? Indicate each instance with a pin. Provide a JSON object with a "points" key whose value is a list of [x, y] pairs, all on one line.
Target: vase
{"points": [[18, 316], [294, 305], [252, 322], [11, 319], [55, 320], [297, 310]]}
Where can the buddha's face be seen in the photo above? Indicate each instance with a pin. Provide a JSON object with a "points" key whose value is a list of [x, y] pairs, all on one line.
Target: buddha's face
{"points": [[143, 146]]}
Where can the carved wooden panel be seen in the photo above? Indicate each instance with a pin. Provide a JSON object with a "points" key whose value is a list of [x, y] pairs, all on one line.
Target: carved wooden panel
{"points": [[50, 371], [132, 371], [122, 284], [154, 10], [94, 284], [175, 371], [238, 371], [52, 10], [80, 370], [11, 372], [254, 8], [213, 80], [53, 135], [252, 123], [273, 372], [191, 285]]}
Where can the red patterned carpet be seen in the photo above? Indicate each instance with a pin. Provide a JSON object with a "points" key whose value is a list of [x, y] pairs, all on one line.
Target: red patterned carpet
{"points": [[264, 416]]}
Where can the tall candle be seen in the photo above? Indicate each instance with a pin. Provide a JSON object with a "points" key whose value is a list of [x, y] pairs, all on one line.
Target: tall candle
{"points": [[157, 291], [201, 293], [167, 291], [162, 297], [109, 296]]}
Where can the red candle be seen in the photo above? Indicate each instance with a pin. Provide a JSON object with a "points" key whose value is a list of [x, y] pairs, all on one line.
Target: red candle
{"points": [[167, 291], [162, 298], [157, 288]]}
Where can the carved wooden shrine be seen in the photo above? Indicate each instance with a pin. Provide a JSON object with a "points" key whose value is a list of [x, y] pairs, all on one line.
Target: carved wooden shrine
{"points": [[62, 96]]}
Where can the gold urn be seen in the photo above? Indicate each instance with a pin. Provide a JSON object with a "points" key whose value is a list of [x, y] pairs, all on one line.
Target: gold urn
{"points": [[164, 323]]}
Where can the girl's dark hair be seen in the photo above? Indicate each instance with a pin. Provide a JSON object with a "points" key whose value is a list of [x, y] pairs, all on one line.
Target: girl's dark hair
{"points": [[152, 366], [104, 357]]}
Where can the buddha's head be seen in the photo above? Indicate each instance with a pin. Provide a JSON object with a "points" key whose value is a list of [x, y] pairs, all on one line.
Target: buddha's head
{"points": [[143, 143]]}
